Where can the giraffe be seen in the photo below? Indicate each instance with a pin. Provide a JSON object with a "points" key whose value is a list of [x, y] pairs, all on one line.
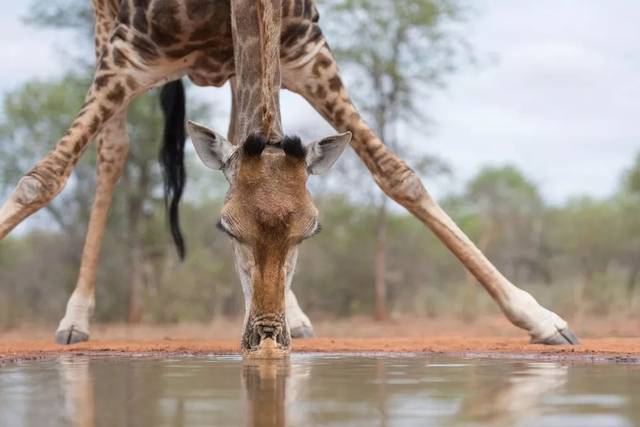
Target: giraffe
{"points": [[144, 44], [268, 210]]}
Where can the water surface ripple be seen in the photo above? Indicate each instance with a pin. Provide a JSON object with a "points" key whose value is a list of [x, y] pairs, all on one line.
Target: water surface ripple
{"points": [[314, 390]]}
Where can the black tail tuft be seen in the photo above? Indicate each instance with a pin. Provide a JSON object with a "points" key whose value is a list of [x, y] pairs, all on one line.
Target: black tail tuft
{"points": [[172, 100]]}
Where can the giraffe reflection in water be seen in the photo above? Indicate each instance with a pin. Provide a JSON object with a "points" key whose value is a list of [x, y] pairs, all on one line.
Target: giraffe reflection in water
{"points": [[271, 389], [77, 387], [516, 399], [307, 390]]}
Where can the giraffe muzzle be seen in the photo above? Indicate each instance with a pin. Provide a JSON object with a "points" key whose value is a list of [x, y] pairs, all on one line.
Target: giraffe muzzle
{"points": [[266, 337]]}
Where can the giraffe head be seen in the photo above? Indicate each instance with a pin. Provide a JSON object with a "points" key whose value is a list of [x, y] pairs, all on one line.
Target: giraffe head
{"points": [[267, 213]]}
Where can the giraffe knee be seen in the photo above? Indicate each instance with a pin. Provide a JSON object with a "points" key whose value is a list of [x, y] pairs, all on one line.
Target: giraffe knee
{"points": [[31, 192], [402, 184]]}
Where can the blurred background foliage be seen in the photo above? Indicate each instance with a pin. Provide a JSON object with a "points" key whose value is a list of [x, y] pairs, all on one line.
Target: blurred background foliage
{"points": [[581, 257]]}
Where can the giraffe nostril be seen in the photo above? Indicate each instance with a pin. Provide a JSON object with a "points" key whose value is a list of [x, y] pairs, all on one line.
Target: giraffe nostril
{"points": [[267, 332], [261, 333], [255, 340]]}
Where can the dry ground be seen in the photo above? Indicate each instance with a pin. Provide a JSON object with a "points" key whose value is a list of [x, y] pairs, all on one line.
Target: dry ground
{"points": [[613, 340]]}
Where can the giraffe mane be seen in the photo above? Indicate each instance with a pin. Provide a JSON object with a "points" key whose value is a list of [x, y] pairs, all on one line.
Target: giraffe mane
{"points": [[269, 31]]}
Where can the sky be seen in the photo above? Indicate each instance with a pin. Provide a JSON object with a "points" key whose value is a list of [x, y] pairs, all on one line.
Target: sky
{"points": [[555, 92]]}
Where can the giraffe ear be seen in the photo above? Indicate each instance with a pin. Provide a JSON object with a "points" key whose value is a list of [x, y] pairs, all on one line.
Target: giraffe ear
{"points": [[213, 149], [322, 154]]}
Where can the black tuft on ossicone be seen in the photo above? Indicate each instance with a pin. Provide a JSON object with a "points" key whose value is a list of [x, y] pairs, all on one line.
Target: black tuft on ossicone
{"points": [[292, 146], [254, 145]]}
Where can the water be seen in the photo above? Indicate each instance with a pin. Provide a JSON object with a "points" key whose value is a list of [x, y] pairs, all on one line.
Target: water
{"points": [[317, 391]]}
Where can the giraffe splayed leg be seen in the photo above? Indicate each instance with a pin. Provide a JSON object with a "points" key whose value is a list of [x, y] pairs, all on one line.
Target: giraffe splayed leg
{"points": [[319, 82], [298, 322]]}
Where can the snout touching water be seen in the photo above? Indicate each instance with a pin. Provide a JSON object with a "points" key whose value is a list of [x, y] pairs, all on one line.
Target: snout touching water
{"points": [[326, 390], [266, 337]]}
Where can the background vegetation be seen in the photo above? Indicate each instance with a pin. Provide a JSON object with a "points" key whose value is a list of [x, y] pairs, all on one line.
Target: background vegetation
{"points": [[581, 257]]}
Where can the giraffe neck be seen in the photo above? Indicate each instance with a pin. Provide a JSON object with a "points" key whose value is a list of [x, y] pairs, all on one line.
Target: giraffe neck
{"points": [[256, 27]]}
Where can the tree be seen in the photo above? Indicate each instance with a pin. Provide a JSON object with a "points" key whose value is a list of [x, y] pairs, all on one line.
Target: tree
{"points": [[628, 200], [588, 232], [631, 178], [397, 50]]}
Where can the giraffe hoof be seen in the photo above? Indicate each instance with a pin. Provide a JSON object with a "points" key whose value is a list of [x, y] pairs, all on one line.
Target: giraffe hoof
{"points": [[562, 337], [301, 332], [71, 336]]}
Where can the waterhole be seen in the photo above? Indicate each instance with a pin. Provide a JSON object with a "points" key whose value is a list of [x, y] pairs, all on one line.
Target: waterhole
{"points": [[322, 390]]}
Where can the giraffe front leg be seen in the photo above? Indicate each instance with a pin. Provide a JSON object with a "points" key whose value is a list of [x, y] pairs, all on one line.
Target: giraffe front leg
{"points": [[297, 321], [117, 80], [77, 387], [319, 82], [299, 324], [113, 147]]}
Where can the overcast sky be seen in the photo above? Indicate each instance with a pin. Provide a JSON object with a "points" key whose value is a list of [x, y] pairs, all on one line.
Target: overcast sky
{"points": [[557, 91]]}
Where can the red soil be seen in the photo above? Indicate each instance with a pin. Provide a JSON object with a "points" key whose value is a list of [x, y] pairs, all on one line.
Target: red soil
{"points": [[611, 340], [599, 349]]}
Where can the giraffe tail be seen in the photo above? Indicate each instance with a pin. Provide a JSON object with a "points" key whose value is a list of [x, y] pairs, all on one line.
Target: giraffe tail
{"points": [[172, 100]]}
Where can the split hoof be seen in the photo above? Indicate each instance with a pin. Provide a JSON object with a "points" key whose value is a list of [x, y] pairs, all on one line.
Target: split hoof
{"points": [[301, 332], [561, 337], [71, 336]]}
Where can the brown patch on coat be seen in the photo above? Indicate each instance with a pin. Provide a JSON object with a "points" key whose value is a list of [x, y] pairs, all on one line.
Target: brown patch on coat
{"points": [[102, 80], [335, 84], [199, 9], [144, 48], [95, 123], [123, 13], [321, 92], [322, 62], [339, 117], [140, 22], [119, 59], [293, 33], [117, 94], [165, 26], [105, 112]]}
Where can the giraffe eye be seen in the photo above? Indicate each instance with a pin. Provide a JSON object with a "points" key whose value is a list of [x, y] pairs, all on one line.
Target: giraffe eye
{"points": [[317, 228], [221, 226]]}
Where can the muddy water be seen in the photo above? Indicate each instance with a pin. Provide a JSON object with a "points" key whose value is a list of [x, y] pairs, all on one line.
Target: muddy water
{"points": [[317, 390]]}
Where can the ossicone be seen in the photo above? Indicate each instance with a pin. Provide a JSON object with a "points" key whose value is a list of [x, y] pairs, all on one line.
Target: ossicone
{"points": [[292, 146], [254, 145]]}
